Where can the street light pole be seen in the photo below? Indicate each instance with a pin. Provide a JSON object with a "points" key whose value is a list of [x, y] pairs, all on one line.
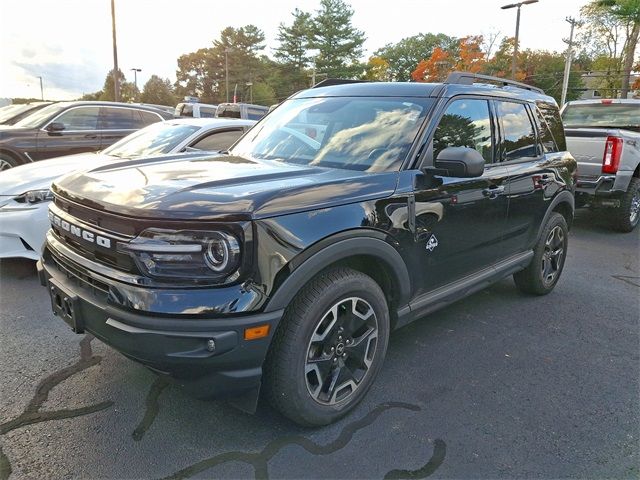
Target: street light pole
{"points": [[116, 83], [135, 76], [226, 71], [515, 47], [41, 89]]}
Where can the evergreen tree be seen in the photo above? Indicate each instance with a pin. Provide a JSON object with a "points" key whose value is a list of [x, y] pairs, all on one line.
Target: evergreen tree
{"points": [[338, 42], [158, 91], [294, 41]]}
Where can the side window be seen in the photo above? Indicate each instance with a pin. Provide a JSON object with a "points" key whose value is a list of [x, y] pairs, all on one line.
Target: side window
{"points": [[218, 140], [207, 112], [552, 116], [518, 135], [147, 118], [255, 114], [121, 119], [465, 123], [229, 111], [82, 118], [544, 133]]}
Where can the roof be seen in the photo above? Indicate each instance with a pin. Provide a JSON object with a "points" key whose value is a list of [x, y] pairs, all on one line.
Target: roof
{"points": [[111, 104], [212, 122], [372, 89]]}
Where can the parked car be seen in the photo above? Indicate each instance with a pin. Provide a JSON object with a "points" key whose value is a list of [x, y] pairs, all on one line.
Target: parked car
{"points": [[25, 190], [285, 264], [165, 108], [65, 128], [195, 110], [242, 110], [604, 137], [11, 114]]}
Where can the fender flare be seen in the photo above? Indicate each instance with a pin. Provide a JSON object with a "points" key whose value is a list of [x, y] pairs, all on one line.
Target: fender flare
{"points": [[564, 196], [339, 250]]}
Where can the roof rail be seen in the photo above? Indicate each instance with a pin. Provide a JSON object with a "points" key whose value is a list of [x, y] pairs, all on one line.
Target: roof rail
{"points": [[467, 78], [336, 81]]}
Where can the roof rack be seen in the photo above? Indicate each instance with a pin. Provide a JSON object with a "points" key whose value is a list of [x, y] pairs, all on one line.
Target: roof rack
{"points": [[466, 78], [327, 82]]}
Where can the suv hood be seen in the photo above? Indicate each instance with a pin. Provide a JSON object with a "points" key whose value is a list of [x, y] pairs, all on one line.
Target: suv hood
{"points": [[217, 187]]}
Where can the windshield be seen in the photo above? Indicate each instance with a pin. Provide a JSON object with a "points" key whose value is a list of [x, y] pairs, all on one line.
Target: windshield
{"points": [[357, 133], [37, 118], [602, 115], [10, 111], [156, 139]]}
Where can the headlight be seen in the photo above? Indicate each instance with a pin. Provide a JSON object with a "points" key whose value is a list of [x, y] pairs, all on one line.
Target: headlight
{"points": [[35, 196], [186, 254]]}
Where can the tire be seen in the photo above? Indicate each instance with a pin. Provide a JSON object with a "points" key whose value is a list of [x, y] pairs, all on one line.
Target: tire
{"points": [[626, 216], [549, 256], [306, 357], [7, 162]]}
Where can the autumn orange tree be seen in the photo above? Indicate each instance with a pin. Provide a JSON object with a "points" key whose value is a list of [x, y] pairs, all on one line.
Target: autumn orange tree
{"points": [[467, 56]]}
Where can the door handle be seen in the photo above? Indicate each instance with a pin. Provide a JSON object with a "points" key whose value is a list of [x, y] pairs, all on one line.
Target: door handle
{"points": [[493, 192]]}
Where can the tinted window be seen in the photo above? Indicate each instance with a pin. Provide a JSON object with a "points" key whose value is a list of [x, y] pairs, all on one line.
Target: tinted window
{"points": [[218, 140], [147, 118], [551, 114], [518, 136], [356, 133], [544, 134], [255, 113], [229, 111], [465, 123], [121, 119], [207, 112], [81, 118]]}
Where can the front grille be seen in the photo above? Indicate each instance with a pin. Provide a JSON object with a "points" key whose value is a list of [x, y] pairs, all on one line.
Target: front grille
{"points": [[77, 274]]}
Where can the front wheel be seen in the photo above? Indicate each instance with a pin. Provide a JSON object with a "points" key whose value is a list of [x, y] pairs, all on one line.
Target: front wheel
{"points": [[549, 255], [7, 162], [627, 215], [328, 348]]}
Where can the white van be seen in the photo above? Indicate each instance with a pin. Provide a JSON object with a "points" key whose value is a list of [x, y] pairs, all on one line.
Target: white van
{"points": [[195, 110]]}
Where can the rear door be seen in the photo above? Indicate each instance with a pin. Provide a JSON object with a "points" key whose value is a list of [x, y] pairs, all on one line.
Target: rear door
{"points": [[459, 222], [528, 150], [80, 133], [118, 122]]}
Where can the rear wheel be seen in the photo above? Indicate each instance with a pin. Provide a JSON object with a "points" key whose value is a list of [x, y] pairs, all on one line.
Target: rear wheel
{"points": [[7, 162], [549, 254], [328, 348], [627, 215]]}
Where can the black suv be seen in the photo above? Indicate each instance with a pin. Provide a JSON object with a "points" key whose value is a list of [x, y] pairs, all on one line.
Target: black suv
{"points": [[347, 212], [65, 128]]}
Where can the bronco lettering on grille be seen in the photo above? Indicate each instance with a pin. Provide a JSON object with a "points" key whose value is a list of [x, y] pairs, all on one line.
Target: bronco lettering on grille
{"points": [[79, 232]]}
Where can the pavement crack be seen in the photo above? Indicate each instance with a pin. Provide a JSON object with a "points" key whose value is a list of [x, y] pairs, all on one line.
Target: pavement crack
{"points": [[635, 281], [32, 413], [437, 457], [152, 409], [260, 460]]}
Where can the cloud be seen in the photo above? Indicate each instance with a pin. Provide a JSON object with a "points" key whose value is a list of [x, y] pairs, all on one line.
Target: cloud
{"points": [[70, 77]]}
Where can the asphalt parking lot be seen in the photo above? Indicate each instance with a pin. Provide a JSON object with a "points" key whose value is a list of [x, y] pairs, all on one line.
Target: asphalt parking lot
{"points": [[499, 385]]}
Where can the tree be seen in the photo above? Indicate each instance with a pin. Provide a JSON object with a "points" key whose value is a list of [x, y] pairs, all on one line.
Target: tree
{"points": [[292, 54], [377, 70], [628, 12], [433, 69], [467, 56], [402, 57], [128, 91], [158, 91], [338, 42]]}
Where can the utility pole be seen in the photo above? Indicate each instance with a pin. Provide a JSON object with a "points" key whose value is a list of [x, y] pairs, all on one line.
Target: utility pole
{"points": [[226, 70], [515, 47], [41, 89], [116, 83], [569, 58]]}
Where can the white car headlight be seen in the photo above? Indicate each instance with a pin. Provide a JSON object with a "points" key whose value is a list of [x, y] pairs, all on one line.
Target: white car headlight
{"points": [[34, 196]]}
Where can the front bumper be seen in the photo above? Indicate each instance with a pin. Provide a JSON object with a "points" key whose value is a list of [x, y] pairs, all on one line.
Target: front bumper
{"points": [[178, 345], [22, 230]]}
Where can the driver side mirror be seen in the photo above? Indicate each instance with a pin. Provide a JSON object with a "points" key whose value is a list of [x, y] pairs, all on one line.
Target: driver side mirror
{"points": [[55, 127], [462, 162]]}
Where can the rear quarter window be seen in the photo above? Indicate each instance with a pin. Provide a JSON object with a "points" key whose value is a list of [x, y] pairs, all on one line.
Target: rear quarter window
{"points": [[551, 115]]}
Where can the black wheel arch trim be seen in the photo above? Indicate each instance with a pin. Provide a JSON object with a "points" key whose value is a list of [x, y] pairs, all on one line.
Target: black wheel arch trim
{"points": [[564, 196], [339, 249]]}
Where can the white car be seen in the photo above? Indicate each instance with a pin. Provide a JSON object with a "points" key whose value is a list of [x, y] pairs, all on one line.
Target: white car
{"points": [[24, 190]]}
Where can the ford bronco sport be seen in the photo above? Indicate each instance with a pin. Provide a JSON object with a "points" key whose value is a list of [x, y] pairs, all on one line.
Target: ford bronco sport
{"points": [[285, 263]]}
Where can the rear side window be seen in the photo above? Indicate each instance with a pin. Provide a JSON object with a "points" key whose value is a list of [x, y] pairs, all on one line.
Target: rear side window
{"points": [[82, 118], [255, 113], [121, 119], [544, 133], [147, 118], [465, 123], [184, 110], [228, 111], [218, 140], [518, 135], [551, 114], [207, 112]]}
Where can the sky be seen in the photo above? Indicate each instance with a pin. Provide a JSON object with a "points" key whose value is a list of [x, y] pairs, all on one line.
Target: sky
{"points": [[68, 42]]}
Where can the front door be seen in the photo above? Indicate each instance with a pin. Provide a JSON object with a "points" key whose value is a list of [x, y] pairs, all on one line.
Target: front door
{"points": [[80, 134], [459, 221]]}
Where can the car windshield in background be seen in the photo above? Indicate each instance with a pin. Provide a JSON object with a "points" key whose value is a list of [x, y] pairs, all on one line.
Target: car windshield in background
{"points": [[155, 139], [620, 115], [35, 119], [357, 133], [10, 111]]}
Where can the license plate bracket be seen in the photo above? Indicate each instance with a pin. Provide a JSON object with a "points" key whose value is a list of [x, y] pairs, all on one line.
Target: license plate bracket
{"points": [[66, 306]]}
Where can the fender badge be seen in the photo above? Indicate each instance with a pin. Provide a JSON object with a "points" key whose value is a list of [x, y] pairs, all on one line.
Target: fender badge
{"points": [[432, 243]]}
